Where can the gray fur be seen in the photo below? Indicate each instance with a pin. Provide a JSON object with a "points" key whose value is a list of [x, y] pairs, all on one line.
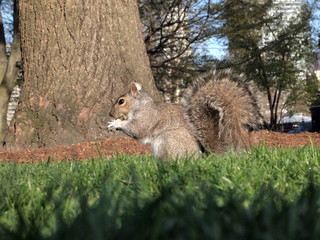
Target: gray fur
{"points": [[218, 110], [213, 117]]}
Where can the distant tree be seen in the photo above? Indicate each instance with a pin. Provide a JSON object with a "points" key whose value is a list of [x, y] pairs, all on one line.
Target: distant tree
{"points": [[172, 31], [8, 69], [276, 66], [312, 90]]}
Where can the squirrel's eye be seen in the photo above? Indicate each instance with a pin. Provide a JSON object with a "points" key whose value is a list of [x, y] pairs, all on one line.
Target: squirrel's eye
{"points": [[121, 101]]}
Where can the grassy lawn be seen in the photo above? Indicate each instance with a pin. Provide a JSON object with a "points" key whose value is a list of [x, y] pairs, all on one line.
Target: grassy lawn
{"points": [[263, 193]]}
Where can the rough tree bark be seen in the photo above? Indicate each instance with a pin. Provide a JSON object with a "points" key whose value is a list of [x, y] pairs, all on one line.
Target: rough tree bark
{"points": [[77, 57]]}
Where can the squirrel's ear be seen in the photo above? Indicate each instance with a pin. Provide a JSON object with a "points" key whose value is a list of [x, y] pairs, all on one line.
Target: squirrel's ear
{"points": [[135, 88]]}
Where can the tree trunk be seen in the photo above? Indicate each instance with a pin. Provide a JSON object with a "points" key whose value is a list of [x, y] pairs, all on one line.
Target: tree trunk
{"points": [[8, 83], [3, 54], [3, 92], [77, 57]]}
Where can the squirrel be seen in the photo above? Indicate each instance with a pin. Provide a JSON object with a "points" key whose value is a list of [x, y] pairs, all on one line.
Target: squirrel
{"points": [[213, 117]]}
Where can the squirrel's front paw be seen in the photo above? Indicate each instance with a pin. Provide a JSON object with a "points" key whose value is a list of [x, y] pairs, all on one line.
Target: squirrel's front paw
{"points": [[114, 125]]}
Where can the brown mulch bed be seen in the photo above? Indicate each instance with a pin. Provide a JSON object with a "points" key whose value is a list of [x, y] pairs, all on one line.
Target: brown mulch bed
{"points": [[112, 146]]}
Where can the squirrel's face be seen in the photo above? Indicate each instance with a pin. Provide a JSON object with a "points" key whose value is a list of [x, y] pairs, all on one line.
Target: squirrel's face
{"points": [[121, 108]]}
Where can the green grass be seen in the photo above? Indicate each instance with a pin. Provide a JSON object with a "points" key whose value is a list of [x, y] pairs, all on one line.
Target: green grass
{"points": [[262, 194]]}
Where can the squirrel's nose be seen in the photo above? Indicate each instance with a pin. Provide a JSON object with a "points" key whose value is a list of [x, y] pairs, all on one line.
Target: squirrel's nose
{"points": [[111, 113]]}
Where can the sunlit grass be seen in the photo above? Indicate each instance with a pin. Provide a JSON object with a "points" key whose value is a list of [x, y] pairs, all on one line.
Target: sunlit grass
{"points": [[260, 194]]}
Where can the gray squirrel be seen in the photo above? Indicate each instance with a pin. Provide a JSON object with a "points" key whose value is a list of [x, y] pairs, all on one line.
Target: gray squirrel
{"points": [[212, 117]]}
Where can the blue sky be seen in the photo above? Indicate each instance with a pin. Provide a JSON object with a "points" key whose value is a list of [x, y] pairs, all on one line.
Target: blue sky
{"points": [[215, 47], [7, 18]]}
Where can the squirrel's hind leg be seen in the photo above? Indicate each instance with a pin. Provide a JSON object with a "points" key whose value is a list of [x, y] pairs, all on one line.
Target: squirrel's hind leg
{"points": [[175, 144]]}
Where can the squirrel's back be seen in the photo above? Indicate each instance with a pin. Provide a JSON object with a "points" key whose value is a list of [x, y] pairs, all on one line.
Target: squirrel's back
{"points": [[218, 111]]}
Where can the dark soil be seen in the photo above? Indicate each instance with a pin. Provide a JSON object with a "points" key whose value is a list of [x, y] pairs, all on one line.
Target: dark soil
{"points": [[113, 146]]}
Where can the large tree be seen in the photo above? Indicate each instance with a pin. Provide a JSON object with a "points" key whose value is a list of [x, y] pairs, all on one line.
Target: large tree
{"points": [[77, 57]]}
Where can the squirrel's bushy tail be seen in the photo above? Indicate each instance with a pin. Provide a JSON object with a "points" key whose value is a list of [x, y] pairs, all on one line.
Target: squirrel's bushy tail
{"points": [[218, 110]]}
